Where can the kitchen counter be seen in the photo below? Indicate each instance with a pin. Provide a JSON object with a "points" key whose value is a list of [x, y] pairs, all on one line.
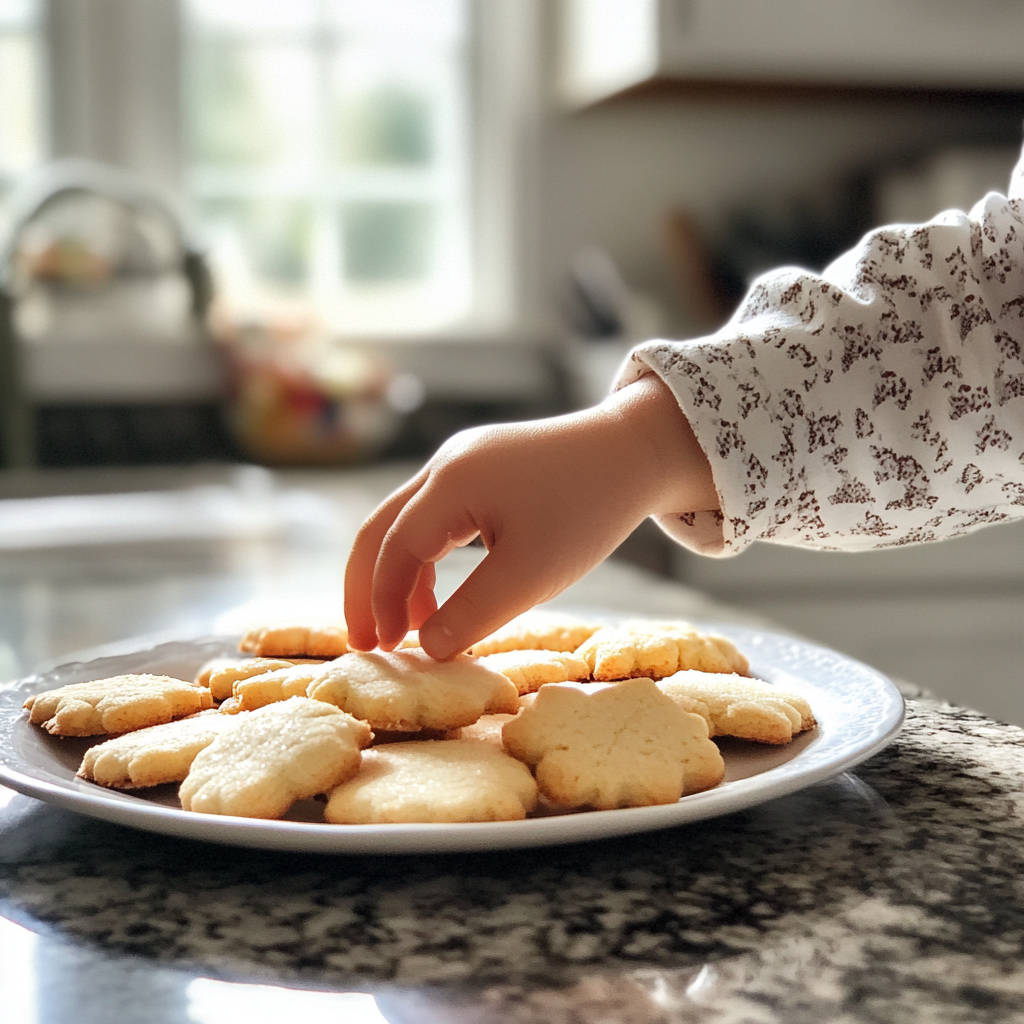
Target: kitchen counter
{"points": [[888, 895]]}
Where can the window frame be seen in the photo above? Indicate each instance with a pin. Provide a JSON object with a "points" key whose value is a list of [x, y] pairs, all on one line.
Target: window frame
{"points": [[114, 95]]}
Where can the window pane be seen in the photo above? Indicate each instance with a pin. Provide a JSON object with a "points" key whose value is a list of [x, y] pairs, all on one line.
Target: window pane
{"points": [[248, 17], [273, 237], [20, 134], [249, 103], [387, 241], [390, 124], [328, 154]]}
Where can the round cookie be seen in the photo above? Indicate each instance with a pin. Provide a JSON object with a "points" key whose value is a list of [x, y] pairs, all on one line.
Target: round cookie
{"points": [[434, 781]]}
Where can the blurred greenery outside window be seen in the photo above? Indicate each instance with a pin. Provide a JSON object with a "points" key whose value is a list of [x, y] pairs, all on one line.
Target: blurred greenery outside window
{"points": [[21, 129], [327, 156]]}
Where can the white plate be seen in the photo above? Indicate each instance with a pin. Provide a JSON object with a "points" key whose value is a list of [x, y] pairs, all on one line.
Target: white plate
{"points": [[858, 710]]}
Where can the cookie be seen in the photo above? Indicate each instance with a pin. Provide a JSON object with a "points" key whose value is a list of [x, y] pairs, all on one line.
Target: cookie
{"points": [[738, 706], [434, 781], [298, 640], [406, 691], [273, 757], [153, 756], [222, 678], [115, 705], [536, 630], [214, 665], [657, 649], [486, 729], [278, 684], [530, 670], [608, 746]]}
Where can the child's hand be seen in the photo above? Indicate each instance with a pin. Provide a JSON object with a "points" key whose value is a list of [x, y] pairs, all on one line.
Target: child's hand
{"points": [[550, 499]]}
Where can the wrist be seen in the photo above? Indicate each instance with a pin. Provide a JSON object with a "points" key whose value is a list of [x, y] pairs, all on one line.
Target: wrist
{"points": [[661, 440]]}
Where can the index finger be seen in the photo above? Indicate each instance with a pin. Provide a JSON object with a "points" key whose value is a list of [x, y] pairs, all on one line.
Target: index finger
{"points": [[362, 560]]}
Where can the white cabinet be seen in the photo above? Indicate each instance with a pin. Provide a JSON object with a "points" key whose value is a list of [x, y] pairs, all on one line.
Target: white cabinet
{"points": [[612, 45]]}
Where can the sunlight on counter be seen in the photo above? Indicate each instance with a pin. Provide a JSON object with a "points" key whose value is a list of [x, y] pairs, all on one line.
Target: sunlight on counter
{"points": [[225, 1002], [18, 962]]}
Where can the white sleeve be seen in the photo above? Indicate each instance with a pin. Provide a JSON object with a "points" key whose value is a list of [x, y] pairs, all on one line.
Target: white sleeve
{"points": [[880, 403]]}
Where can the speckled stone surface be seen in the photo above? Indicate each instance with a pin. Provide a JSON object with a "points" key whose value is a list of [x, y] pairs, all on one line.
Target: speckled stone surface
{"points": [[895, 895]]}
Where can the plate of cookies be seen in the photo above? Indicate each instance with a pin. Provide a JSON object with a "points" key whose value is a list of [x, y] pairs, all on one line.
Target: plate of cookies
{"points": [[557, 728]]}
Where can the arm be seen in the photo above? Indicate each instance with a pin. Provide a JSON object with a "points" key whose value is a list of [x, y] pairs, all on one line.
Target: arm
{"points": [[880, 403], [550, 500]]}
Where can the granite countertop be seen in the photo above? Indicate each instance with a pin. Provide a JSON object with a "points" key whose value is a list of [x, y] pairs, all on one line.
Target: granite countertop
{"points": [[889, 895], [886, 895]]}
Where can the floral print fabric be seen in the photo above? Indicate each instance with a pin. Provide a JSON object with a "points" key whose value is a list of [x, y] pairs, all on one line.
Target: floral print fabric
{"points": [[880, 403]]}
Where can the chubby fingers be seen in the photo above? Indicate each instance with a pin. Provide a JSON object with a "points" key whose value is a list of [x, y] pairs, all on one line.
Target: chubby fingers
{"points": [[362, 629], [425, 530]]}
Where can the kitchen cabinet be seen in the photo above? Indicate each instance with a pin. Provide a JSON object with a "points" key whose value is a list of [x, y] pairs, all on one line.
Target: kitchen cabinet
{"points": [[614, 46]]}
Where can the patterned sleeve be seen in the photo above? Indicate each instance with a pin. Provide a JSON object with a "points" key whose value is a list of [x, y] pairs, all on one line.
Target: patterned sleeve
{"points": [[878, 404]]}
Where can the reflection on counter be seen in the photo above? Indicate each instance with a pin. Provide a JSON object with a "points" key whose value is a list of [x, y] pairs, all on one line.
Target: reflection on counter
{"points": [[225, 1002]]}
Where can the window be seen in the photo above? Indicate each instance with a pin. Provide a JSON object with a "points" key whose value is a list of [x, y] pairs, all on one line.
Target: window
{"points": [[327, 156], [20, 76]]}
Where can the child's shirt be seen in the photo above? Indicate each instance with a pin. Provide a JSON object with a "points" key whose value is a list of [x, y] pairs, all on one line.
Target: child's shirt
{"points": [[879, 403]]}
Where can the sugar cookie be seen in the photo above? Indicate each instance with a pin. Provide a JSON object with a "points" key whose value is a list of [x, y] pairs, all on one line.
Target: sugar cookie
{"points": [[214, 665], [657, 649], [152, 756], [434, 781], [257, 691], [486, 729], [118, 704], [299, 640], [537, 630], [623, 745], [739, 706], [406, 691], [222, 679], [273, 757], [530, 670]]}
